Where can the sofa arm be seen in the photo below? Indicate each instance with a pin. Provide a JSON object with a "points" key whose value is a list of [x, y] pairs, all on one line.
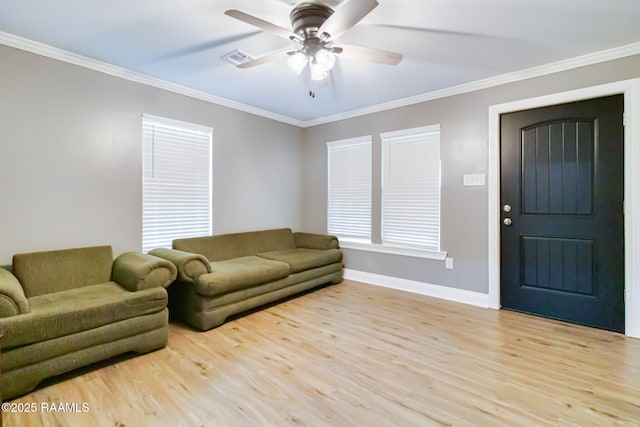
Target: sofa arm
{"points": [[316, 241], [189, 265], [12, 298], [136, 271]]}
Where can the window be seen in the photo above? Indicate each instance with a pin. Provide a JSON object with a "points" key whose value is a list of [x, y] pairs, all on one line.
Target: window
{"points": [[349, 198], [176, 181], [406, 219], [411, 188]]}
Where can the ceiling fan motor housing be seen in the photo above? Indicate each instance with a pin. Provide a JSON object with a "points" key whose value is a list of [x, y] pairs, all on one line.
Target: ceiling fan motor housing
{"points": [[307, 18]]}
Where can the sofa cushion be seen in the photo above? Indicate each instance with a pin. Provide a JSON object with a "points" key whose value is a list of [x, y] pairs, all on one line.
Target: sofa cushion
{"points": [[202, 303], [62, 313], [239, 273], [302, 259], [54, 271], [227, 246]]}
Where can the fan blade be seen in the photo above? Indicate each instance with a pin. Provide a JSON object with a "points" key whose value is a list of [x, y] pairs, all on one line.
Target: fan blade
{"points": [[369, 54], [273, 56], [262, 24], [436, 31], [346, 16], [202, 47]]}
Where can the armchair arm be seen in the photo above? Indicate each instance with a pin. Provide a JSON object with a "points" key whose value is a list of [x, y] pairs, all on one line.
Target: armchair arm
{"points": [[316, 241], [12, 298], [189, 265], [136, 271]]}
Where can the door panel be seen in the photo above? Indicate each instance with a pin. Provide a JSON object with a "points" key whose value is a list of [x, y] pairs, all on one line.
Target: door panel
{"points": [[562, 176], [558, 153], [560, 264]]}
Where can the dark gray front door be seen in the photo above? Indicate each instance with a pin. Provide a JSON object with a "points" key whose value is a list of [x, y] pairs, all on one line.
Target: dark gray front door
{"points": [[562, 239]]}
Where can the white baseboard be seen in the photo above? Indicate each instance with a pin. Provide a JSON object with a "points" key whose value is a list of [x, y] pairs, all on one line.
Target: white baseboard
{"points": [[436, 291]]}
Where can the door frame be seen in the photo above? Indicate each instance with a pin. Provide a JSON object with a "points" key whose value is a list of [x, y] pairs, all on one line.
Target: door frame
{"points": [[631, 91]]}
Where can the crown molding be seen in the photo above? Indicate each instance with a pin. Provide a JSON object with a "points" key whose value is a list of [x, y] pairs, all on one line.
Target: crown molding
{"points": [[124, 73], [554, 67]]}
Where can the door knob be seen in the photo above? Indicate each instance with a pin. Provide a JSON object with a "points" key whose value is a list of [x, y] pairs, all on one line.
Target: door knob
{"points": [[507, 221]]}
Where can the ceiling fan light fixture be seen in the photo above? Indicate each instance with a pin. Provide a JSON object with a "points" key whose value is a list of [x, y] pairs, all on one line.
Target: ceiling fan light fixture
{"points": [[318, 72], [297, 62], [325, 59]]}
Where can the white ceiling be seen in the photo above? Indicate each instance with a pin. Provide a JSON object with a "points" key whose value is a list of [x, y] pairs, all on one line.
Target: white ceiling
{"points": [[445, 43]]}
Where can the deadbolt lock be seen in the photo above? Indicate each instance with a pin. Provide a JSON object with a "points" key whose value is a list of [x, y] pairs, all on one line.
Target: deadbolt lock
{"points": [[506, 208]]}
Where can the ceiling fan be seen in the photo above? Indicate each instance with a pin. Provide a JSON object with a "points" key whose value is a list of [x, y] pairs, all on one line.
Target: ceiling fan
{"points": [[315, 28]]}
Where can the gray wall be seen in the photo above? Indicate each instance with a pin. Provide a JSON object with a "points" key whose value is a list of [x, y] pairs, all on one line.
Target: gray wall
{"points": [[464, 137], [70, 158]]}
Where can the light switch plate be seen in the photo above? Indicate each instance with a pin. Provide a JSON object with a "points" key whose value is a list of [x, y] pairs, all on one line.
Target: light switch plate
{"points": [[472, 180], [448, 263]]}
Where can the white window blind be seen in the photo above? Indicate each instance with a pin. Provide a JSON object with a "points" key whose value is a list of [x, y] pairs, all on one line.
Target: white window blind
{"points": [[411, 188], [349, 199], [176, 181]]}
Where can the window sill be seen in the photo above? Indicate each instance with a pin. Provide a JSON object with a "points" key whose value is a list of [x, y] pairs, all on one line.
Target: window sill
{"points": [[393, 250]]}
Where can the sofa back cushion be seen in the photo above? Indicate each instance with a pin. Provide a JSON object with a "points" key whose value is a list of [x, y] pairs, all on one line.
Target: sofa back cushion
{"points": [[227, 246], [54, 271]]}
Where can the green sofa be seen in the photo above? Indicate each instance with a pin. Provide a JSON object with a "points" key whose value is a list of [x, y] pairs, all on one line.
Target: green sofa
{"points": [[64, 309], [222, 275]]}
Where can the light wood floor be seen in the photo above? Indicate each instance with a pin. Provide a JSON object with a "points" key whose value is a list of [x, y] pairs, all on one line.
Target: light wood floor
{"points": [[355, 354]]}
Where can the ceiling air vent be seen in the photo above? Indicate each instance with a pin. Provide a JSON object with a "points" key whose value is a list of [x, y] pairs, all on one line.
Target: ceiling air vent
{"points": [[236, 57]]}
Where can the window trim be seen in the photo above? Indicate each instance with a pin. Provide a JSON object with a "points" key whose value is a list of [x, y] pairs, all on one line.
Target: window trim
{"points": [[393, 250]]}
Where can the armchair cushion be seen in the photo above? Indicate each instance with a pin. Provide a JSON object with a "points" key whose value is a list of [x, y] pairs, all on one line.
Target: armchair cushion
{"points": [[136, 271], [54, 271], [12, 298]]}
